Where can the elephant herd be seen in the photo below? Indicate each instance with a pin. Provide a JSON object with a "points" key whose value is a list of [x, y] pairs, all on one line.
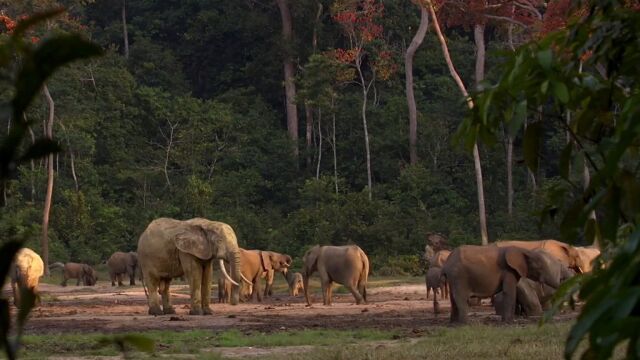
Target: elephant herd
{"points": [[520, 277]]}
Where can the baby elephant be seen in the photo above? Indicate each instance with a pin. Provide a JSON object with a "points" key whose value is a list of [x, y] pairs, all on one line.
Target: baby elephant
{"points": [[82, 272], [435, 282], [295, 282]]}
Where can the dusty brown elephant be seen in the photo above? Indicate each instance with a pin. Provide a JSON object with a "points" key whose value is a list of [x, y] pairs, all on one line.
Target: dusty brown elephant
{"points": [[121, 263], [347, 265], [294, 280], [566, 253], [82, 272], [588, 255], [170, 248], [224, 288], [533, 297], [436, 282], [483, 271], [25, 272], [258, 264]]}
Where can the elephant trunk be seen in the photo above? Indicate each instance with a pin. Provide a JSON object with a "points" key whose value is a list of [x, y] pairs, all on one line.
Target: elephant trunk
{"points": [[233, 258]]}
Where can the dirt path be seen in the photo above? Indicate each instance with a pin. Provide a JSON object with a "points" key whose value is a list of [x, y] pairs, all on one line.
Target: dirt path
{"points": [[111, 310]]}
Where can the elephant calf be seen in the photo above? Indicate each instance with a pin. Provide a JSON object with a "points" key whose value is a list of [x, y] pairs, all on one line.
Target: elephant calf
{"points": [[435, 282], [294, 280], [121, 263], [82, 272], [347, 265]]}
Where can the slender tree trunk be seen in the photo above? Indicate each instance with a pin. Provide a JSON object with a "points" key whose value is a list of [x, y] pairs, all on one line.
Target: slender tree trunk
{"points": [[289, 76], [476, 153], [509, 174], [319, 143], [48, 198], [32, 179], [71, 157], [365, 95], [309, 117], [335, 152], [411, 99], [125, 34]]}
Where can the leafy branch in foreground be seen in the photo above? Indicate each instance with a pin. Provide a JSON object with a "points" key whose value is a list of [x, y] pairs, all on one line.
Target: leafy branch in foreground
{"points": [[585, 81], [36, 65]]}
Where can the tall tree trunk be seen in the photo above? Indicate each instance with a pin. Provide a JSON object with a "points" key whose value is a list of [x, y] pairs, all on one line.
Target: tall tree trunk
{"points": [[309, 133], [480, 60], [319, 143], [335, 152], [44, 243], [125, 34], [411, 99], [71, 157], [289, 76], [476, 153], [365, 95]]}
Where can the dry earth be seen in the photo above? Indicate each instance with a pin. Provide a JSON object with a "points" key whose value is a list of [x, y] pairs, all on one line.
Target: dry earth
{"points": [[107, 309]]}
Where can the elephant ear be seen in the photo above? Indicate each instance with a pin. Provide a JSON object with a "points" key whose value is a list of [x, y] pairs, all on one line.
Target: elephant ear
{"points": [[516, 259], [266, 260], [192, 239]]}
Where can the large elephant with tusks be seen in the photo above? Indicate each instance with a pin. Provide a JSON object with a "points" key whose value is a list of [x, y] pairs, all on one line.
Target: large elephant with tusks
{"points": [[171, 248]]}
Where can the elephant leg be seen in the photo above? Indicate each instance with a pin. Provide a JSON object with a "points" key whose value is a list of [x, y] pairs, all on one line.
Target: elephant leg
{"points": [[120, 276], [459, 305], [16, 293], [132, 277], [206, 287], [154, 298], [509, 283], [64, 281], [113, 278], [257, 289], [193, 273], [78, 282], [355, 293], [165, 285], [326, 292], [446, 289]]}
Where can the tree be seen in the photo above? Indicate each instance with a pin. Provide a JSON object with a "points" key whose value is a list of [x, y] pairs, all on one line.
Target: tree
{"points": [[476, 153], [289, 75], [408, 69], [559, 73], [365, 53]]}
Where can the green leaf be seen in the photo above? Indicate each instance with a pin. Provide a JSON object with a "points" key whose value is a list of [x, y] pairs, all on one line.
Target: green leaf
{"points": [[544, 87], [560, 91], [519, 116], [531, 145], [50, 55], [545, 57], [41, 148]]}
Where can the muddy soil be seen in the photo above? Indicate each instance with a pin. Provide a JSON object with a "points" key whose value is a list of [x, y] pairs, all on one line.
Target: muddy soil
{"points": [[107, 309]]}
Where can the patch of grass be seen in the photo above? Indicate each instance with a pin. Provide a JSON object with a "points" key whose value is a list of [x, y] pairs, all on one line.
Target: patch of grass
{"points": [[193, 341]]}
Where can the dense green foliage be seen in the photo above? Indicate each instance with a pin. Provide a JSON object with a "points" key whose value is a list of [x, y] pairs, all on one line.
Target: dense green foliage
{"points": [[193, 124], [591, 72]]}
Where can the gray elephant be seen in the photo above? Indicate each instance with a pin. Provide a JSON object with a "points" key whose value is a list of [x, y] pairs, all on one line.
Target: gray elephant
{"points": [[533, 297], [82, 272], [483, 271], [121, 263], [347, 265], [170, 248], [435, 282], [25, 272]]}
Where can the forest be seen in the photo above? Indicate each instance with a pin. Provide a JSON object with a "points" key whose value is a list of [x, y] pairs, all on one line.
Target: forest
{"points": [[287, 120]]}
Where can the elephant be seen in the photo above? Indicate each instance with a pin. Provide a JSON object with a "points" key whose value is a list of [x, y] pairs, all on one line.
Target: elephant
{"points": [[437, 241], [347, 265], [566, 253], [434, 281], [81, 272], [533, 297], [483, 271], [25, 272], [170, 248], [438, 259], [258, 264], [121, 263], [588, 255], [294, 280], [224, 289]]}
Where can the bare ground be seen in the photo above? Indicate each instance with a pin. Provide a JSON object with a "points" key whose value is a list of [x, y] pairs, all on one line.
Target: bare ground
{"points": [[107, 309]]}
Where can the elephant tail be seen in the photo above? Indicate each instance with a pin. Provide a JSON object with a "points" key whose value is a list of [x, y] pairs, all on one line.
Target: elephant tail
{"points": [[364, 275]]}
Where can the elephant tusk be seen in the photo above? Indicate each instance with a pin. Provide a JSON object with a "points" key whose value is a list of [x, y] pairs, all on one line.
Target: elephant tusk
{"points": [[224, 271], [245, 279]]}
